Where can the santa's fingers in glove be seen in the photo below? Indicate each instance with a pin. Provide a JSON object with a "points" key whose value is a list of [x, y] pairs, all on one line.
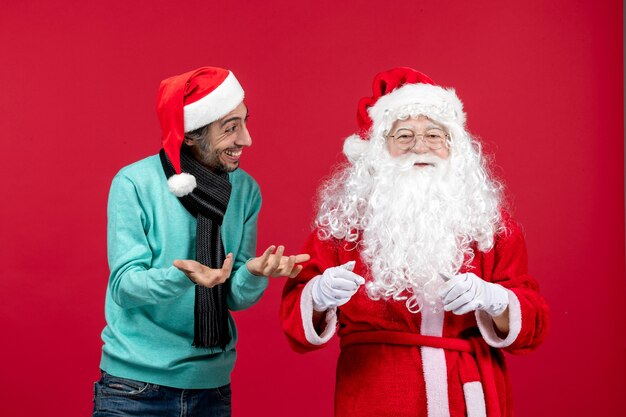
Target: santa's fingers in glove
{"points": [[467, 292], [335, 286]]}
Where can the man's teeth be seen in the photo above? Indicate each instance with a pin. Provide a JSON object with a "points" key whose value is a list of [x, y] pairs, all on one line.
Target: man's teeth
{"points": [[234, 154]]}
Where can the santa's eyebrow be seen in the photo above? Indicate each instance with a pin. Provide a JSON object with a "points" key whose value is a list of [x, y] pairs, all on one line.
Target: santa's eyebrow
{"points": [[429, 127]]}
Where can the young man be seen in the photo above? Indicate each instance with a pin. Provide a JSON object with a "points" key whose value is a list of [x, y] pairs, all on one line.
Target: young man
{"points": [[181, 246], [416, 263]]}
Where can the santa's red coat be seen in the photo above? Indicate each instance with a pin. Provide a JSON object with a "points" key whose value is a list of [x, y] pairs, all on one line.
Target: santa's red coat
{"points": [[396, 363]]}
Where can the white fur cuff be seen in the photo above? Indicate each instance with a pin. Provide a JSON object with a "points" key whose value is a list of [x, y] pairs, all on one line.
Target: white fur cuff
{"points": [[306, 307], [488, 331]]}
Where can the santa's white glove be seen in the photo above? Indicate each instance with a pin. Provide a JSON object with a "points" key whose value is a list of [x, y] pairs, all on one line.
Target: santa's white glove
{"points": [[467, 292], [335, 286]]}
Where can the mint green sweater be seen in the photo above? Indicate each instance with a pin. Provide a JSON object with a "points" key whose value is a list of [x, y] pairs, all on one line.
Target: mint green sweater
{"points": [[149, 303]]}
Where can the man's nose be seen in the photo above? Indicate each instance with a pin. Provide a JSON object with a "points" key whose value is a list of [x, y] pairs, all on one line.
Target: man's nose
{"points": [[244, 138]]}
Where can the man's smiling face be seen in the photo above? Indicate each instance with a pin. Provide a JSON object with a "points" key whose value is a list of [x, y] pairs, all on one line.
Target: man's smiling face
{"points": [[221, 148]]}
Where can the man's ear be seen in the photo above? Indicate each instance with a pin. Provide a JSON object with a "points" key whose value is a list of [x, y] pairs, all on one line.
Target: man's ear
{"points": [[189, 142]]}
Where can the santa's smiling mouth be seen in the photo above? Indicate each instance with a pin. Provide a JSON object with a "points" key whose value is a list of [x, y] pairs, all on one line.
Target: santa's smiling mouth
{"points": [[424, 164]]}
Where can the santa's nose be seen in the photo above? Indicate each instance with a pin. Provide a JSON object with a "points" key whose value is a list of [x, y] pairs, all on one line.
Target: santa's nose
{"points": [[420, 147]]}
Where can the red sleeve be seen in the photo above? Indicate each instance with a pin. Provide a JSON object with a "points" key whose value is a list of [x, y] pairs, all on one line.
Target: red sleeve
{"points": [[531, 314], [324, 254]]}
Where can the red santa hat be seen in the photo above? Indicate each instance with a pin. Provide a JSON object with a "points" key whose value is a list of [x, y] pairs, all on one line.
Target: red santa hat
{"points": [[402, 90], [187, 102], [398, 93]]}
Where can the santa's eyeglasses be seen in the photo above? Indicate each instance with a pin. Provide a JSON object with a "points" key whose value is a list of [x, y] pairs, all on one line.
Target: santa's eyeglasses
{"points": [[406, 139]]}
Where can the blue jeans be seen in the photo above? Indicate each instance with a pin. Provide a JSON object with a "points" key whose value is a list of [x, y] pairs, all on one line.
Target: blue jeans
{"points": [[126, 397]]}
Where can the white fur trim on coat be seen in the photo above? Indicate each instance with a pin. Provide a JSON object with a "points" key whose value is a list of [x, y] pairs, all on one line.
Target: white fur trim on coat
{"points": [[474, 399], [434, 365], [214, 105], [488, 331], [181, 184], [306, 307], [440, 104]]}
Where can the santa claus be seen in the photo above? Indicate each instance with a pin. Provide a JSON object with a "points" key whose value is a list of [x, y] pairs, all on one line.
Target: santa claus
{"points": [[415, 262]]}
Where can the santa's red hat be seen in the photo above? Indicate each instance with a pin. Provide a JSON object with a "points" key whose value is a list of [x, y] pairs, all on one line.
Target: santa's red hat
{"points": [[397, 94], [402, 90], [187, 102]]}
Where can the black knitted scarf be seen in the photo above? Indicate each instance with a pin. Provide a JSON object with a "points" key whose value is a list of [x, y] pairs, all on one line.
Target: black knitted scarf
{"points": [[207, 202]]}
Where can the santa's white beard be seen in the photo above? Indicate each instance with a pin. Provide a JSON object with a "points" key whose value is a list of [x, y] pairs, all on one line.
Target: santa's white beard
{"points": [[415, 216], [413, 222]]}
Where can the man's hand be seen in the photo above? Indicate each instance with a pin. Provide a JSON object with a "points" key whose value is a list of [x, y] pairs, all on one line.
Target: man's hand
{"points": [[203, 275], [276, 264], [467, 292], [335, 286]]}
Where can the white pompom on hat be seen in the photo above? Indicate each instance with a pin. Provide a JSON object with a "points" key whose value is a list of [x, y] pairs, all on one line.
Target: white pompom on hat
{"points": [[187, 102]]}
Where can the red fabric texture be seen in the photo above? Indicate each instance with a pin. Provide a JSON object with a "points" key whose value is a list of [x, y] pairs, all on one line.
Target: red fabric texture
{"points": [[384, 83], [174, 93], [386, 379]]}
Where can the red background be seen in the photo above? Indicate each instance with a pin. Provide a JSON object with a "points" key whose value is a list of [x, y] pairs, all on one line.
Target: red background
{"points": [[542, 83]]}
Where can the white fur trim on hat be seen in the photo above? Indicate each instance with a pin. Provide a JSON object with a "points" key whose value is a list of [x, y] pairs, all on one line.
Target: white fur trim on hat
{"points": [[181, 184], [437, 103], [214, 105]]}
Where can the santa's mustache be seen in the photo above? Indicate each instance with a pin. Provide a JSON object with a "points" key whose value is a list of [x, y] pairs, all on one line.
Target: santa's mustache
{"points": [[409, 161]]}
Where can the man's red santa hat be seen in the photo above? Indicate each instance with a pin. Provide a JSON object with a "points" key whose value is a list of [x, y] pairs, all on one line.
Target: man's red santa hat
{"points": [[187, 102]]}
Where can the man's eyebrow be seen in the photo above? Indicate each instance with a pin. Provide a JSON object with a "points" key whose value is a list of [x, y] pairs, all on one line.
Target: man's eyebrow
{"points": [[230, 119]]}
